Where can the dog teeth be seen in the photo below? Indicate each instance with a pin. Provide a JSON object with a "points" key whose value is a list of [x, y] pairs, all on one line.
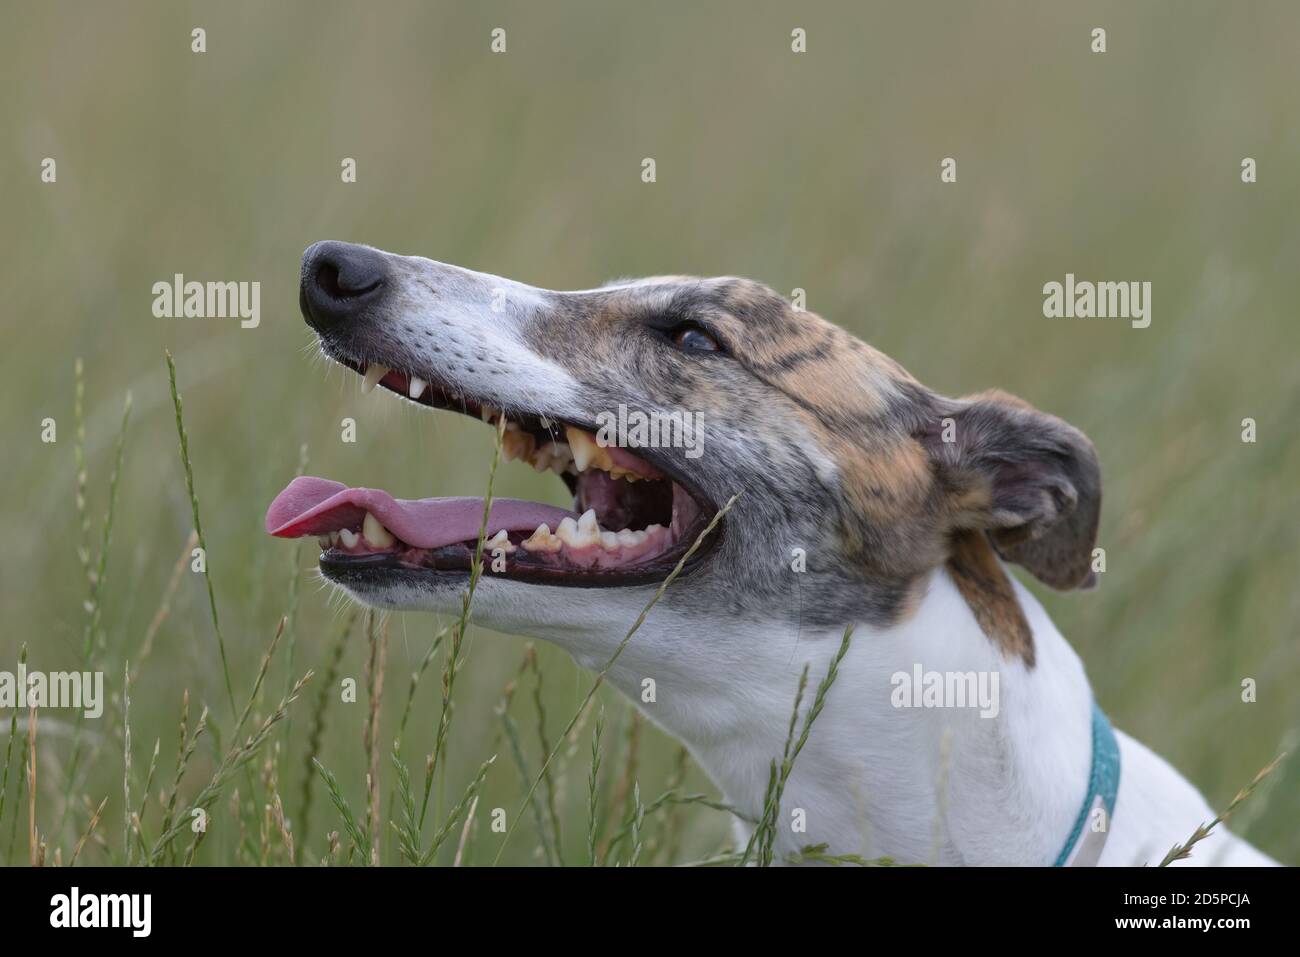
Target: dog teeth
{"points": [[324, 541], [580, 445], [567, 531], [585, 533], [500, 540], [348, 537], [578, 454], [374, 372], [582, 533], [516, 444], [542, 540], [375, 534], [586, 452], [561, 457], [416, 387]]}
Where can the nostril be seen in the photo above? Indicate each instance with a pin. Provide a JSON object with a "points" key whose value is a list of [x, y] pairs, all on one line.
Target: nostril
{"points": [[338, 286], [341, 282]]}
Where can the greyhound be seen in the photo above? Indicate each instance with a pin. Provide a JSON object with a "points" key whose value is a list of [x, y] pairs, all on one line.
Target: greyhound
{"points": [[866, 501]]}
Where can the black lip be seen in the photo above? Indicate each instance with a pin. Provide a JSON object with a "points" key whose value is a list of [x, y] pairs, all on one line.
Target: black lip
{"points": [[456, 563], [340, 566]]}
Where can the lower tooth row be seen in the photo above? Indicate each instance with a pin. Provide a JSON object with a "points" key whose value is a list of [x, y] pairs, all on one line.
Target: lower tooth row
{"points": [[584, 533]]}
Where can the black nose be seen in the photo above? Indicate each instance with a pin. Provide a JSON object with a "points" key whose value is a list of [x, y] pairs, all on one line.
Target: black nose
{"points": [[339, 280]]}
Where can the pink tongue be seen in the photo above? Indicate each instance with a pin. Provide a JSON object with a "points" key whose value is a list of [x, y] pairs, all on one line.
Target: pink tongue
{"points": [[315, 506]]}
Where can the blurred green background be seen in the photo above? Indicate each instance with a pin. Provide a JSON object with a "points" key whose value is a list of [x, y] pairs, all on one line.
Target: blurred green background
{"points": [[816, 170]]}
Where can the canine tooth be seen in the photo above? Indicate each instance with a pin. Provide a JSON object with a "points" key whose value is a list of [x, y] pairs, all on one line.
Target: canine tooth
{"points": [[546, 423], [375, 534], [585, 450], [334, 537], [487, 413], [323, 541], [348, 537], [374, 372], [580, 445], [416, 387]]}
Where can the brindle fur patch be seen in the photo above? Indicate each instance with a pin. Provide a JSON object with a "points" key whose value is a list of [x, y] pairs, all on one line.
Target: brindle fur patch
{"points": [[984, 583]]}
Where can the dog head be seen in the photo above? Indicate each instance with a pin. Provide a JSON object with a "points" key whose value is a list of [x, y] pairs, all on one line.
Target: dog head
{"points": [[656, 401]]}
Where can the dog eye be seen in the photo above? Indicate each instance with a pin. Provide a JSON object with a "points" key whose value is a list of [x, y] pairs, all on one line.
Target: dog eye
{"points": [[694, 339]]}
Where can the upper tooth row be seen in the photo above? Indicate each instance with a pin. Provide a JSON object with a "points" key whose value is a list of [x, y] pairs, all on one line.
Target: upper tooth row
{"points": [[582, 449]]}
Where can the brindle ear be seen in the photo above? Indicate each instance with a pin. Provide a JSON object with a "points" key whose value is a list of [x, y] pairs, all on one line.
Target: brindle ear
{"points": [[1028, 479]]}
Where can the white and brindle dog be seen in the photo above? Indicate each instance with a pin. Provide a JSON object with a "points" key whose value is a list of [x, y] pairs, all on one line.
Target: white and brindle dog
{"points": [[867, 500]]}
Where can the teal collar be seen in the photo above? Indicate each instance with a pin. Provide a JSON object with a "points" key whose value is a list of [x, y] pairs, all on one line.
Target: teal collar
{"points": [[1083, 848]]}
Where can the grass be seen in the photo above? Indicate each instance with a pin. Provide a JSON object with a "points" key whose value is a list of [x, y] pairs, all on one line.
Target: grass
{"points": [[198, 527], [790, 169], [1183, 851], [762, 840]]}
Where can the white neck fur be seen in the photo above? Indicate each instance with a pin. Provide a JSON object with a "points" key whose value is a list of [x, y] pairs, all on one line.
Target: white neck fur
{"points": [[921, 785]]}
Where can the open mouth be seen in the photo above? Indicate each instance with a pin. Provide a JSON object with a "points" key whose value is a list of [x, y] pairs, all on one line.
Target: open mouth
{"points": [[631, 523]]}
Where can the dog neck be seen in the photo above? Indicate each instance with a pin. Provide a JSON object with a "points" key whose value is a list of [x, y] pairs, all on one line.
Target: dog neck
{"points": [[877, 777]]}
